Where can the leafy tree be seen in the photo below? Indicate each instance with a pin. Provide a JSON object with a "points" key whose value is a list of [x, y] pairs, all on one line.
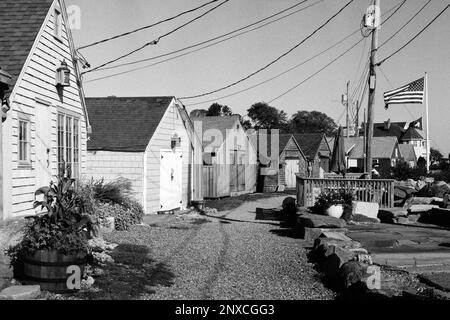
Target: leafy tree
{"points": [[312, 121], [435, 155], [217, 109], [197, 113], [267, 117]]}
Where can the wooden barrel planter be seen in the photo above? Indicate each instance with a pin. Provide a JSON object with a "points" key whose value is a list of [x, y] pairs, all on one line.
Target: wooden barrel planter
{"points": [[49, 269]]}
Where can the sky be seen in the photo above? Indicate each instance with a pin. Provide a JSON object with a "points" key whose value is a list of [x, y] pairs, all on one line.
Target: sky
{"points": [[231, 60]]}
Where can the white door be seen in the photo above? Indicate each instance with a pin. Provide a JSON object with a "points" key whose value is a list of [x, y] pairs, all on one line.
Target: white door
{"points": [[291, 168], [171, 180], [43, 145]]}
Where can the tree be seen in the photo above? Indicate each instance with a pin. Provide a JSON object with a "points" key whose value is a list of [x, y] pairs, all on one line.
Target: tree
{"points": [[267, 117], [435, 155], [198, 113], [313, 121], [217, 109]]}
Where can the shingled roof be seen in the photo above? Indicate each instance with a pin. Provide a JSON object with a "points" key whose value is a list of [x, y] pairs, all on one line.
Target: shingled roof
{"points": [[20, 22], [309, 143], [382, 147], [407, 152], [411, 134], [124, 124]]}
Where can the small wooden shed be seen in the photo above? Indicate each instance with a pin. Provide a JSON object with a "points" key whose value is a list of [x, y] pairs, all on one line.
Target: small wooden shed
{"points": [[150, 141], [229, 157]]}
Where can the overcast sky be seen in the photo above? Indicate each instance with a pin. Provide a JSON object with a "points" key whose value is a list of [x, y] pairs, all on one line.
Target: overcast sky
{"points": [[231, 60]]}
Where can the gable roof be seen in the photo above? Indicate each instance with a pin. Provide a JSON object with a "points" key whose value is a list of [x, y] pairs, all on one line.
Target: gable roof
{"points": [[283, 138], [20, 22], [221, 123], [411, 134], [125, 123], [407, 152], [382, 147], [309, 143]]}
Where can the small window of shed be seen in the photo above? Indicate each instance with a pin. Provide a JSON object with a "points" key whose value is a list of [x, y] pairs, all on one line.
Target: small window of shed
{"points": [[58, 24]]}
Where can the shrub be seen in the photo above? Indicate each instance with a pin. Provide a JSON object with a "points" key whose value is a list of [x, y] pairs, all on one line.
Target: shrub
{"points": [[403, 171], [123, 218], [329, 198]]}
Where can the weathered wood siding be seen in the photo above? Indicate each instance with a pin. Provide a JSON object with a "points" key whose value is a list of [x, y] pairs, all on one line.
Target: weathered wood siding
{"points": [[111, 165], [38, 83]]}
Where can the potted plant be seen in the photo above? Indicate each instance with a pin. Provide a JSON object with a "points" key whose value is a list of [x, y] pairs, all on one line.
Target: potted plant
{"points": [[333, 202], [53, 250]]}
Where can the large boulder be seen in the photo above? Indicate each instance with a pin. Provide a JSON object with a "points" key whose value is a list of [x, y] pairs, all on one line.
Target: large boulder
{"points": [[439, 189], [390, 215], [20, 292], [320, 221], [368, 209]]}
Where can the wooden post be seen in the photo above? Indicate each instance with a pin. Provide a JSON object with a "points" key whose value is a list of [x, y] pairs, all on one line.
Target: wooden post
{"points": [[427, 136], [372, 87], [347, 121]]}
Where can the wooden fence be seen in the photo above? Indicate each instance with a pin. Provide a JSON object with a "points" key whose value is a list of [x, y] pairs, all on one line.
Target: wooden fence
{"points": [[209, 182], [373, 190]]}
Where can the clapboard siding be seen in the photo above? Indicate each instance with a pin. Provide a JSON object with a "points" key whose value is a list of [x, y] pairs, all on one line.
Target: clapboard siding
{"points": [[110, 165], [169, 124], [38, 82]]}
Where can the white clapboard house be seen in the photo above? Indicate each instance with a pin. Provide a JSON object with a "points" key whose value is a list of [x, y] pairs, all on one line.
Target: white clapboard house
{"points": [[46, 123]]}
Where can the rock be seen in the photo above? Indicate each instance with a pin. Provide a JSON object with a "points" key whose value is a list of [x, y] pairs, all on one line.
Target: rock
{"points": [[320, 221], [102, 257], [364, 257], [335, 236], [289, 206], [368, 209], [418, 208], [421, 201], [107, 225], [311, 234], [399, 193], [334, 261], [413, 217], [402, 220], [437, 216], [421, 184], [427, 179], [390, 215], [359, 218], [87, 283], [439, 189], [326, 242], [20, 292], [351, 272], [97, 244]]}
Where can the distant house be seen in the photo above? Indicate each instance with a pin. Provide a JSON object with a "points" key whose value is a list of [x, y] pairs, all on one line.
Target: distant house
{"points": [[385, 154], [284, 165], [150, 141], [229, 157], [46, 126], [403, 133], [408, 154], [317, 151]]}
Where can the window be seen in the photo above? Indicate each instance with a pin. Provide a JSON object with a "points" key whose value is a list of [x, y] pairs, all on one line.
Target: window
{"points": [[69, 144], [58, 24], [24, 142], [375, 162]]}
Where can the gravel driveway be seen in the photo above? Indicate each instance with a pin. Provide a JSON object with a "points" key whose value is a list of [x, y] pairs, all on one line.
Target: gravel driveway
{"points": [[226, 256]]}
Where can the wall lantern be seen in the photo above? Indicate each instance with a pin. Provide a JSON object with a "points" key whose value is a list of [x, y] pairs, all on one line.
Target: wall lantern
{"points": [[5, 81], [63, 75], [175, 141]]}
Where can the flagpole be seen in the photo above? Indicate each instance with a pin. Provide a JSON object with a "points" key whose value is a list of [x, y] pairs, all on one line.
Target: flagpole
{"points": [[427, 137]]}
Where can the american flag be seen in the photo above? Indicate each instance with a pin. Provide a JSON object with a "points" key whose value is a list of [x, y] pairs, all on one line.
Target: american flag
{"points": [[411, 93]]}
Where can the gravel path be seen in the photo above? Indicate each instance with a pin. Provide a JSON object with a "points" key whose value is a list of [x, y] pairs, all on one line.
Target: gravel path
{"points": [[226, 256]]}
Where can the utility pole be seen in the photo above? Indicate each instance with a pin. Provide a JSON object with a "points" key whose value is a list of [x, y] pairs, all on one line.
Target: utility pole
{"points": [[347, 106], [357, 119], [372, 86]]}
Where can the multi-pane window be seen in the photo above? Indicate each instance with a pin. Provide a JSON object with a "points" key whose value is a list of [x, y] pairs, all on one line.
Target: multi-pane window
{"points": [[69, 144], [24, 141]]}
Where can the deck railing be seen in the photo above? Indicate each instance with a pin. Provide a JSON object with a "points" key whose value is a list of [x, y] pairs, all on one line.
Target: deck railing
{"points": [[370, 190]]}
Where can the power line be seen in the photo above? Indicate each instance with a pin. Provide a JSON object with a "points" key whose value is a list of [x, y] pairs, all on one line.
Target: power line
{"points": [[398, 31], [413, 38], [147, 27], [225, 34], [317, 72], [359, 64], [189, 52], [154, 42], [281, 73], [273, 61], [292, 68]]}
